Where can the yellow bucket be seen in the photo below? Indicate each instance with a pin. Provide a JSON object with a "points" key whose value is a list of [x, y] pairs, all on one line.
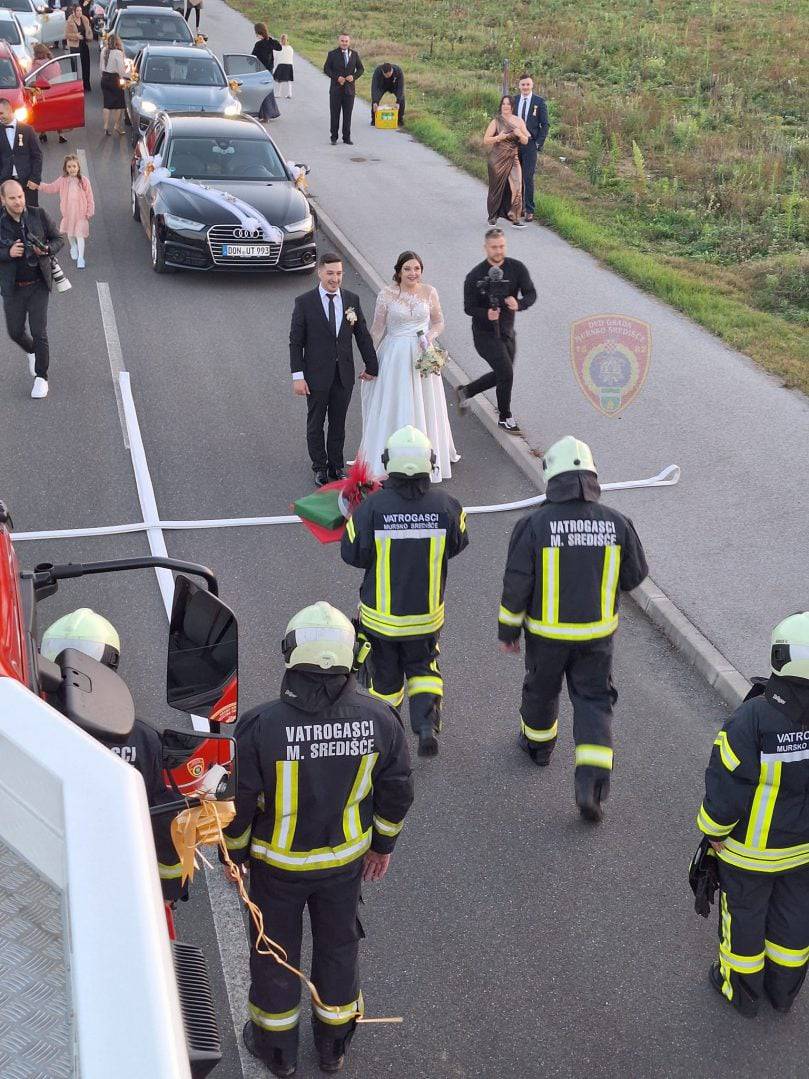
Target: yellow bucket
{"points": [[387, 116]]}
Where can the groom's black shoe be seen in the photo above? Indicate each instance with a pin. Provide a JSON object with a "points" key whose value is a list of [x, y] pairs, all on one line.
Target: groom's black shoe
{"points": [[348, 142], [321, 478], [334, 142], [337, 474]]}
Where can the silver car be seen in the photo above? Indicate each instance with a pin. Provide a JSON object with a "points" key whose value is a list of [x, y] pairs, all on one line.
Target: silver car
{"points": [[177, 78]]}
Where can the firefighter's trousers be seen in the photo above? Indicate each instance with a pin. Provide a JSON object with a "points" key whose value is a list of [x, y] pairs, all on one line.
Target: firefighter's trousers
{"points": [[275, 994], [587, 667], [412, 662], [763, 935]]}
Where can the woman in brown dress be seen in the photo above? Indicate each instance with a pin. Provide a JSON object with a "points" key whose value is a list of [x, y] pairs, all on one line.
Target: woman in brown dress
{"points": [[503, 137]]}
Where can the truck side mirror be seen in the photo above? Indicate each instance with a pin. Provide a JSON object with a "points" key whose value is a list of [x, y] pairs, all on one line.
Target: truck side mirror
{"points": [[197, 765], [203, 654]]}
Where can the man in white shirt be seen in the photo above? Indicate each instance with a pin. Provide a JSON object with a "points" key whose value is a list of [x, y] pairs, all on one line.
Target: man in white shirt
{"points": [[344, 67], [20, 153], [531, 108]]}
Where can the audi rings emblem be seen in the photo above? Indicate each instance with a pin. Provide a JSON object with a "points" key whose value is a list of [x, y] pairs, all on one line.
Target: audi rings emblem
{"points": [[247, 234]]}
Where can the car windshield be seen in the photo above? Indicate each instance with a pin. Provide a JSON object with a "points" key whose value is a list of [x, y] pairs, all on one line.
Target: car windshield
{"points": [[8, 76], [186, 70], [9, 32], [16, 5], [225, 159], [142, 27]]}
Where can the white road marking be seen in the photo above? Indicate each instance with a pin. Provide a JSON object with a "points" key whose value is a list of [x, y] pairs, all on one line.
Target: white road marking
{"points": [[114, 351]]}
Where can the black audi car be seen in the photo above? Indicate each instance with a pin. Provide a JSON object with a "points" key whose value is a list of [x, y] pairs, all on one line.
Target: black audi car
{"points": [[231, 154]]}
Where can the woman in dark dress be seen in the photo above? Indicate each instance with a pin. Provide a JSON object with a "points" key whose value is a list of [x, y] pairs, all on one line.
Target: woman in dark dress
{"points": [[263, 51], [503, 138]]}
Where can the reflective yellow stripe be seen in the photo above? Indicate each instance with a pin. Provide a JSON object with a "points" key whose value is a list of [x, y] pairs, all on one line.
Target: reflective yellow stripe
{"points": [[598, 756], [462, 521], [724, 943], [274, 1020], [550, 585], [335, 1015], [352, 825], [758, 829], [609, 581], [394, 699], [321, 858], [437, 547], [786, 957], [425, 684], [729, 758], [572, 631], [742, 964], [404, 625], [387, 827], [382, 575], [510, 618], [534, 734], [774, 860], [239, 842], [709, 826], [286, 804], [351, 532], [170, 872]]}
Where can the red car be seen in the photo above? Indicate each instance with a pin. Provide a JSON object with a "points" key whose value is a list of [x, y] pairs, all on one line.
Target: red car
{"points": [[50, 96]]}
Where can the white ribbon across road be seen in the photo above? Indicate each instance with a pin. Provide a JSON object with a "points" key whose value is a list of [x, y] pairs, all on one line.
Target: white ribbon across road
{"points": [[667, 478]]}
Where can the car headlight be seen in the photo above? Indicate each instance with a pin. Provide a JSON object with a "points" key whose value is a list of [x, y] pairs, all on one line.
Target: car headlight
{"points": [[233, 109], [30, 31], [173, 222], [148, 108], [21, 115], [304, 225]]}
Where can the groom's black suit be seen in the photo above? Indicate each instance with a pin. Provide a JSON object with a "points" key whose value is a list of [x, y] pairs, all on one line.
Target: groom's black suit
{"points": [[327, 365]]}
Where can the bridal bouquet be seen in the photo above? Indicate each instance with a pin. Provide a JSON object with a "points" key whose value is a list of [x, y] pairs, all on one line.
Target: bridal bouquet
{"points": [[431, 359]]}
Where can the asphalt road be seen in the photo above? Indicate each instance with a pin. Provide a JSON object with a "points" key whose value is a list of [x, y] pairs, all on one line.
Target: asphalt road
{"points": [[512, 939]]}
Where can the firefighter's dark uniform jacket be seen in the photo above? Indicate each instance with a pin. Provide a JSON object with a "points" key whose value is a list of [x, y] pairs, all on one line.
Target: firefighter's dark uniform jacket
{"points": [[757, 802], [323, 774], [567, 562], [402, 536], [143, 750]]}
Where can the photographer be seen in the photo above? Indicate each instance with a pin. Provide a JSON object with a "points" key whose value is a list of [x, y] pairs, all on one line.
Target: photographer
{"points": [[492, 292], [27, 240]]}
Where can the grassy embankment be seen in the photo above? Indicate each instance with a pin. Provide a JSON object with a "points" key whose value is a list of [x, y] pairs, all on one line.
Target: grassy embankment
{"points": [[678, 150]]}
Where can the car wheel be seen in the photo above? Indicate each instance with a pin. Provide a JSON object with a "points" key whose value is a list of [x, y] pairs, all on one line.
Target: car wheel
{"points": [[134, 201], [158, 252]]}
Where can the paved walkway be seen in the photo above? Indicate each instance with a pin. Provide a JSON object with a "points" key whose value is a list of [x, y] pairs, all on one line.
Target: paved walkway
{"points": [[730, 544]]}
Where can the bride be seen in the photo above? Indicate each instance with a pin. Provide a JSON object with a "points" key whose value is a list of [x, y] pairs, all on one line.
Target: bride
{"points": [[400, 396]]}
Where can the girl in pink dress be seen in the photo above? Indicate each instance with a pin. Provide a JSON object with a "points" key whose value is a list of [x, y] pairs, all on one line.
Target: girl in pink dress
{"points": [[76, 203]]}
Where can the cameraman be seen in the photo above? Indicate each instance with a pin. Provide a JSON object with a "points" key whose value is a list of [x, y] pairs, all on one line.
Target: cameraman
{"points": [[27, 240], [492, 292]]}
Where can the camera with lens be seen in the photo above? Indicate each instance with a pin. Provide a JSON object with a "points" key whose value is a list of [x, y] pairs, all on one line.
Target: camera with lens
{"points": [[494, 287], [34, 249]]}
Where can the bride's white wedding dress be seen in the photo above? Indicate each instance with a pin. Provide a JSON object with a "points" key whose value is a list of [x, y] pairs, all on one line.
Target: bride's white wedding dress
{"points": [[399, 395]]}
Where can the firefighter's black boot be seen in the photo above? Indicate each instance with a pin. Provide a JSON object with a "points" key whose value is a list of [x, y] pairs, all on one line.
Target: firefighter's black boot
{"points": [[540, 757], [331, 1053], [592, 787], [428, 742], [742, 1001], [276, 1062]]}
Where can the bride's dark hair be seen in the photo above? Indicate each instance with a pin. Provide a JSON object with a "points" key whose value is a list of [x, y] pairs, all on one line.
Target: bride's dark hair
{"points": [[405, 256]]}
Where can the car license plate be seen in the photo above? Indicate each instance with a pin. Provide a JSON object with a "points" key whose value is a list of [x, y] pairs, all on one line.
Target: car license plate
{"points": [[246, 251]]}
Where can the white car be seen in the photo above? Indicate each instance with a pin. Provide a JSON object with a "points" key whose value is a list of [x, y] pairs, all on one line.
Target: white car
{"points": [[38, 22], [12, 32]]}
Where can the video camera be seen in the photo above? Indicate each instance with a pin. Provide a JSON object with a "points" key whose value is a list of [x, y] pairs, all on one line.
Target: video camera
{"points": [[495, 287]]}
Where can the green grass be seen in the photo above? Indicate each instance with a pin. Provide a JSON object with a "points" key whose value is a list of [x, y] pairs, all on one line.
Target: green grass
{"points": [[679, 145]]}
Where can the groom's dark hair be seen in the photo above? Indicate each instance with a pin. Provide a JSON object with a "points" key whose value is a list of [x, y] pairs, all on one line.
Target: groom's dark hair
{"points": [[328, 257]]}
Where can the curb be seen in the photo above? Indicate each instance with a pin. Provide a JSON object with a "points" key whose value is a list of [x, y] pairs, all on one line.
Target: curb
{"points": [[716, 669]]}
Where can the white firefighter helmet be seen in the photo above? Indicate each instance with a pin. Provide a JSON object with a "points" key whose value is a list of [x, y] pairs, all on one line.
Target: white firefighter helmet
{"points": [[408, 452], [789, 655], [320, 637], [569, 454], [87, 632]]}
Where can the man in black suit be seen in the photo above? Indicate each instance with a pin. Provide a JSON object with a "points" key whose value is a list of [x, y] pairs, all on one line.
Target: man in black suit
{"points": [[20, 153], [325, 323], [388, 79], [531, 108], [344, 67]]}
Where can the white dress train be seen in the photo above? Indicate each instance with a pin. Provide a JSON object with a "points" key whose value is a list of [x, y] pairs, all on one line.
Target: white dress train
{"points": [[399, 395]]}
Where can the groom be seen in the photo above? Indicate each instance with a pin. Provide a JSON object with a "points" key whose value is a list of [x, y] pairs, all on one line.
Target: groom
{"points": [[321, 354]]}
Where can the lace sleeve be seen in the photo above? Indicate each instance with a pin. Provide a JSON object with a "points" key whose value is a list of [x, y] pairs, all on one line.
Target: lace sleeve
{"points": [[436, 316], [380, 322]]}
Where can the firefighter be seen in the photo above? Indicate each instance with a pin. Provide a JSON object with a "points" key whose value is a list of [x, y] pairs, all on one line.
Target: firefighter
{"points": [[402, 536], [323, 786], [97, 638], [756, 815], [567, 562]]}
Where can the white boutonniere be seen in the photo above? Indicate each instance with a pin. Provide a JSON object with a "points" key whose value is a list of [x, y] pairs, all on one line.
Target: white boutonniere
{"points": [[350, 316], [534, 110], [19, 139]]}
